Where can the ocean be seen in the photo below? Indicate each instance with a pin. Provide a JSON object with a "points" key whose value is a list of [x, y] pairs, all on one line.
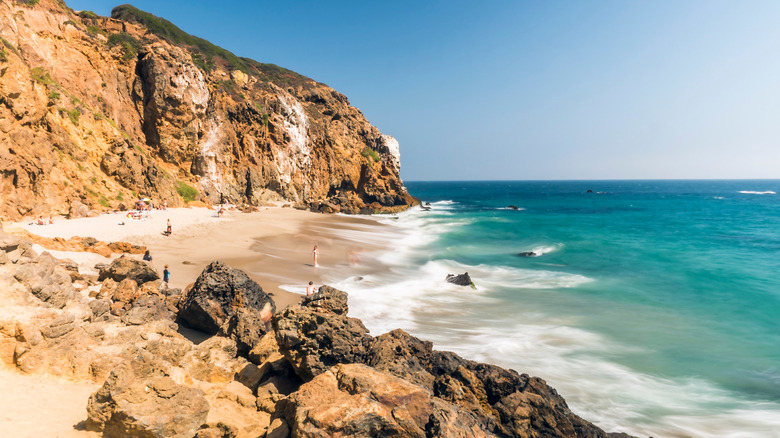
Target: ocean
{"points": [[653, 307]]}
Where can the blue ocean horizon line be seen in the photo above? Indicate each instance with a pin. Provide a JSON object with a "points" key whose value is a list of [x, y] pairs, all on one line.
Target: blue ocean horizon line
{"points": [[591, 180]]}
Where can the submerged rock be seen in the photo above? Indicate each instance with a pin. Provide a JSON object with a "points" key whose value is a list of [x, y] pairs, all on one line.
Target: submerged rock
{"points": [[461, 280]]}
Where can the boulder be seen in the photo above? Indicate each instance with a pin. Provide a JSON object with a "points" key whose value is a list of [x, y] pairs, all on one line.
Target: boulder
{"points": [[502, 401], [139, 400], [327, 299], [126, 267], [357, 400], [461, 280], [224, 300], [314, 341], [47, 280], [149, 307]]}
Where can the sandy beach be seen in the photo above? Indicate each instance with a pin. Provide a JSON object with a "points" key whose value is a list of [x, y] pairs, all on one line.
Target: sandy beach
{"points": [[273, 245]]}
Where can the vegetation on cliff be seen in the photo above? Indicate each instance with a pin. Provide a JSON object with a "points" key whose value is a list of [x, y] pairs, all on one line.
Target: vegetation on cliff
{"points": [[96, 109]]}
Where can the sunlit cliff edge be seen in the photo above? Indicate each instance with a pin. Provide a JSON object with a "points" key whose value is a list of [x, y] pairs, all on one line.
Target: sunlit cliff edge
{"points": [[95, 111]]}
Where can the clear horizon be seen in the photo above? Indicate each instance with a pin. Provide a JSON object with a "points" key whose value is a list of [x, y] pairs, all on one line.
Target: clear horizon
{"points": [[608, 90]]}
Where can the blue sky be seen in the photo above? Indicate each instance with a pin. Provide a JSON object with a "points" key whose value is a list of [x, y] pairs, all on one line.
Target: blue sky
{"points": [[530, 90]]}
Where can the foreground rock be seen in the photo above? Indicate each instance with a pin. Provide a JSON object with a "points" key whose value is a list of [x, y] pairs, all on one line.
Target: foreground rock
{"points": [[397, 385], [357, 400], [138, 401], [318, 334], [225, 301]]}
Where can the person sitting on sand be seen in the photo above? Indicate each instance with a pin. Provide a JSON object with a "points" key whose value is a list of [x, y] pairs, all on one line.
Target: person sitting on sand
{"points": [[41, 221], [51, 220], [165, 205], [310, 289], [315, 253], [147, 256]]}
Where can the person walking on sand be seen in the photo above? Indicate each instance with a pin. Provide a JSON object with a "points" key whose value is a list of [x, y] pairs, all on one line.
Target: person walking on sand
{"points": [[310, 289], [316, 253], [168, 231]]}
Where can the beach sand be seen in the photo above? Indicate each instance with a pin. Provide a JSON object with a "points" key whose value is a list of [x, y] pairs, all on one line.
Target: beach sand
{"points": [[273, 245], [33, 406]]}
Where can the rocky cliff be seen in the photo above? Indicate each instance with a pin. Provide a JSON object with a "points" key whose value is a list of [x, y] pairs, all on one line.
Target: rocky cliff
{"points": [[95, 111]]}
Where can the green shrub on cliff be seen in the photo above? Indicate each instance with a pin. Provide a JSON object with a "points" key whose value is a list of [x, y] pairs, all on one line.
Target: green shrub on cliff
{"points": [[87, 14], [370, 153], [42, 76], [206, 52], [130, 45], [186, 191]]}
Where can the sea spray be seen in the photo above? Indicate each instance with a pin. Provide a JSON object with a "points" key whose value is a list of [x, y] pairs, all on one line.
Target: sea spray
{"points": [[651, 308]]}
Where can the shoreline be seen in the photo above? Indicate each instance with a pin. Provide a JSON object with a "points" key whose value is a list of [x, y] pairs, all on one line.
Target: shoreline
{"points": [[273, 245]]}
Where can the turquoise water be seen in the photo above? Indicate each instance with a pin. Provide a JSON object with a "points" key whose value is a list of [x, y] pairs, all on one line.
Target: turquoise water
{"points": [[653, 306]]}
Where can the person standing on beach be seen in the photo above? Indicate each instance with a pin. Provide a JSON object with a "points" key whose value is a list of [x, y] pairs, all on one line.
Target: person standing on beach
{"points": [[310, 289], [168, 231], [166, 276], [316, 253]]}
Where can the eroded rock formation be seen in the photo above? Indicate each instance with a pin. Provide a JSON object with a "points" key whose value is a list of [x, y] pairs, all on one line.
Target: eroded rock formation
{"points": [[95, 111]]}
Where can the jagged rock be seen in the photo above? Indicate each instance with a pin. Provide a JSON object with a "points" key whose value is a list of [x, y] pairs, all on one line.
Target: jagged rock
{"points": [[9, 243], [314, 341], [126, 267], [356, 400], [126, 291], [100, 309], [502, 401], [127, 248], [403, 355], [225, 301], [461, 279], [278, 429], [125, 387], [47, 280], [213, 360], [151, 407], [327, 299], [60, 326], [148, 307]]}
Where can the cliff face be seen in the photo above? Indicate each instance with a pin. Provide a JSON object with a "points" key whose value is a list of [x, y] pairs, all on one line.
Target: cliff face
{"points": [[95, 111]]}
